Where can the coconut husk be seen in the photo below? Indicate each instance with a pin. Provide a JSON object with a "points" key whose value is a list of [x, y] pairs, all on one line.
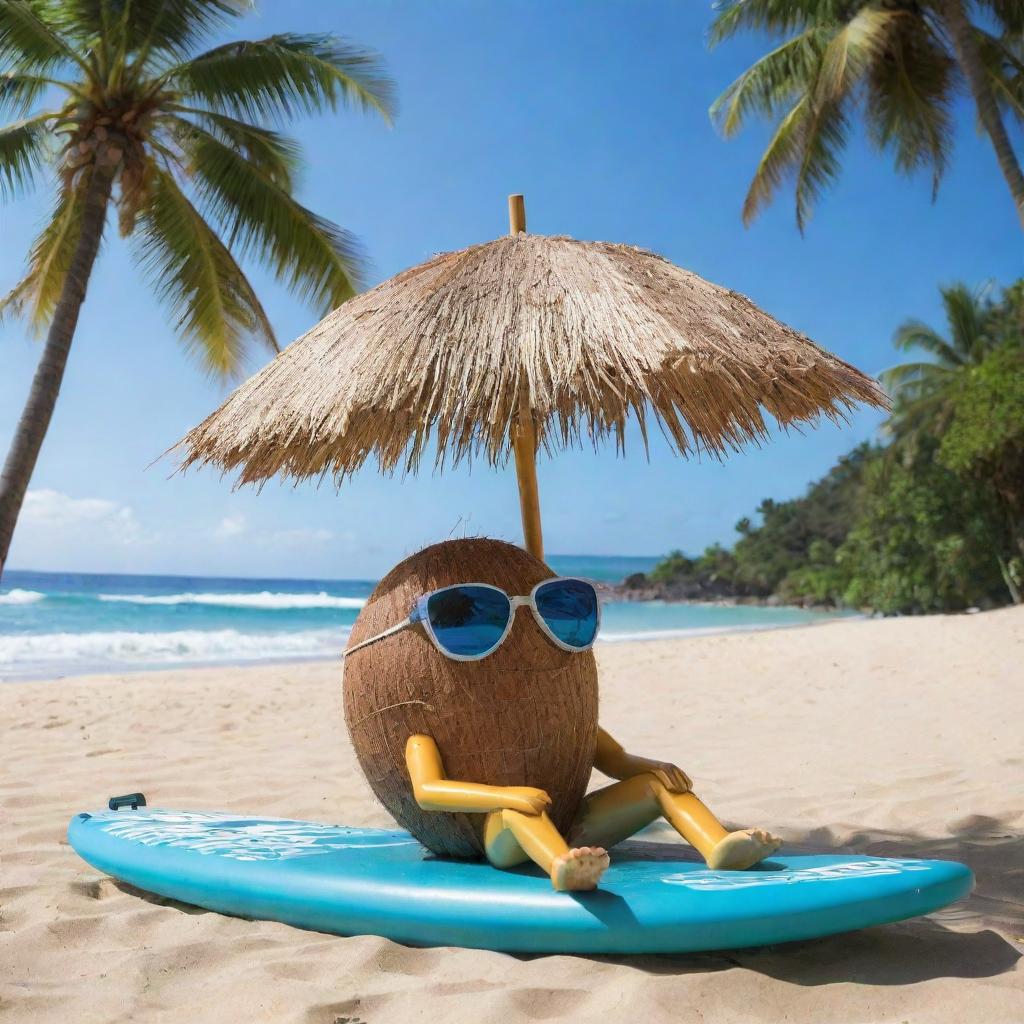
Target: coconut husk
{"points": [[524, 716]]}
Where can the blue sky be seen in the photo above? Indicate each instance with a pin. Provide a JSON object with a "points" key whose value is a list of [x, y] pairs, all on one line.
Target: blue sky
{"points": [[597, 111]]}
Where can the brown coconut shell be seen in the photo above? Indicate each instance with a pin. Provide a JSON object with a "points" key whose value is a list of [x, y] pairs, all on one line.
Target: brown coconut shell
{"points": [[526, 715]]}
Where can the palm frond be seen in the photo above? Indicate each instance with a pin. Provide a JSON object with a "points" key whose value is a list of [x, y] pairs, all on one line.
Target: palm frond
{"points": [[909, 98], [924, 390], [28, 41], [24, 146], [316, 259], [851, 50], [19, 91], [286, 74], [36, 295], [275, 155], [1004, 61], [914, 334], [844, 62], [968, 311], [1008, 13], [816, 74], [777, 17], [824, 137], [135, 27], [830, 86], [769, 83], [918, 416], [780, 159], [214, 304], [915, 378]]}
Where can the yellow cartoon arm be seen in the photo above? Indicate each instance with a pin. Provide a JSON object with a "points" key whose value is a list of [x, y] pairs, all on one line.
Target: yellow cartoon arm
{"points": [[613, 760], [435, 792]]}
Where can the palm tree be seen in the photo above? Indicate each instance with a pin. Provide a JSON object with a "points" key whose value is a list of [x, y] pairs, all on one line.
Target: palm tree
{"points": [[924, 390], [176, 141], [898, 63], [930, 397]]}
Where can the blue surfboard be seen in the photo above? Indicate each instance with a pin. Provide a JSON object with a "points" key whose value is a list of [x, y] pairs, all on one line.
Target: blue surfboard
{"points": [[358, 881]]}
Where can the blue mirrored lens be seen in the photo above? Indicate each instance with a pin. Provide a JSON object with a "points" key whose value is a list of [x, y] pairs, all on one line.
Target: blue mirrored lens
{"points": [[569, 607], [468, 621]]}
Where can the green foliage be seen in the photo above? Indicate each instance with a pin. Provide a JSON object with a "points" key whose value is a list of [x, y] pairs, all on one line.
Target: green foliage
{"points": [[37, 294], [283, 75], [792, 533], [890, 64], [788, 553], [932, 522], [30, 40], [201, 183], [312, 255], [675, 566], [195, 274], [717, 566], [986, 429], [134, 26], [23, 145], [922, 542], [924, 390], [820, 581], [984, 445]]}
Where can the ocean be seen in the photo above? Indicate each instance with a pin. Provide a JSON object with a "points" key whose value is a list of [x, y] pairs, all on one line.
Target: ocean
{"points": [[56, 624]]}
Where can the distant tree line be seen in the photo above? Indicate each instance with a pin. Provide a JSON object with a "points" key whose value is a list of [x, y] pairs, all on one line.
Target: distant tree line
{"points": [[931, 520]]}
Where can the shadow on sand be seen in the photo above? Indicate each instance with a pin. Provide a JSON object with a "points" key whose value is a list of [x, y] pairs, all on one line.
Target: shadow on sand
{"points": [[962, 941], [160, 901]]}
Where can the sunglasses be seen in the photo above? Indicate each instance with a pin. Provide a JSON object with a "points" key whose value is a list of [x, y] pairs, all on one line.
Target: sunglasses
{"points": [[468, 621]]}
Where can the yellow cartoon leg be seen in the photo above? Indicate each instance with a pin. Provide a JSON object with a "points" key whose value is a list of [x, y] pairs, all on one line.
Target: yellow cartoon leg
{"points": [[511, 837], [619, 811]]}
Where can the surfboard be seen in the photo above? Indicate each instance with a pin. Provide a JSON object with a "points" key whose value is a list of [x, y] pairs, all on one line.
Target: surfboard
{"points": [[358, 881]]}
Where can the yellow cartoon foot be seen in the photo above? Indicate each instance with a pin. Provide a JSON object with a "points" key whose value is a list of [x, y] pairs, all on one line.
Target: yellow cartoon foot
{"points": [[579, 869], [743, 849]]}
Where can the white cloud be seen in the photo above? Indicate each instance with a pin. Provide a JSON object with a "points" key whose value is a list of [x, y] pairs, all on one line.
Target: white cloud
{"points": [[56, 509], [233, 527], [53, 510], [230, 526]]}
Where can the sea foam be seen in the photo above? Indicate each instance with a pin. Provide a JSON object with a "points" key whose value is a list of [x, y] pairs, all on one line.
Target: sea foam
{"points": [[21, 597], [265, 600], [38, 652]]}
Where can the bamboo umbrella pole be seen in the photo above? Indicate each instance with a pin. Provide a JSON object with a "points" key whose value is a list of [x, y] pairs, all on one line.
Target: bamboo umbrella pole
{"points": [[524, 435]]}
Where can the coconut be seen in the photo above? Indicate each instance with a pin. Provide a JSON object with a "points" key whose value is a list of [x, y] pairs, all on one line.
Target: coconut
{"points": [[526, 715]]}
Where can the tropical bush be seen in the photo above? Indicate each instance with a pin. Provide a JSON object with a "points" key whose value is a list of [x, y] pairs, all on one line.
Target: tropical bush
{"points": [[931, 521]]}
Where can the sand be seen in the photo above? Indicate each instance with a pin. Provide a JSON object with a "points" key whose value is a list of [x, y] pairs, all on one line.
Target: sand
{"points": [[901, 737]]}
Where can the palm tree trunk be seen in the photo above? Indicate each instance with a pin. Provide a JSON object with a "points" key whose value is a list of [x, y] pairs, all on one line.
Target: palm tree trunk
{"points": [[1010, 568], [1011, 584], [35, 417], [965, 45]]}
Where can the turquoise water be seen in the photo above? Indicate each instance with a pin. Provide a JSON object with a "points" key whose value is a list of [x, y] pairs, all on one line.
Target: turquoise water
{"points": [[68, 623]]}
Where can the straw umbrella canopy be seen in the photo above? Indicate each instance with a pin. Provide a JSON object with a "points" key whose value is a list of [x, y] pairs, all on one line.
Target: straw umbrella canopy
{"points": [[526, 342]]}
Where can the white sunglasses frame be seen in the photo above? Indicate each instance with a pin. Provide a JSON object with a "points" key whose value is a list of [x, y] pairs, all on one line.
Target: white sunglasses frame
{"points": [[418, 615]]}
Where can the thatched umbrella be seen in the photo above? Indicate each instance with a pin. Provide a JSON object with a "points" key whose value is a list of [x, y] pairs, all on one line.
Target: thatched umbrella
{"points": [[528, 341]]}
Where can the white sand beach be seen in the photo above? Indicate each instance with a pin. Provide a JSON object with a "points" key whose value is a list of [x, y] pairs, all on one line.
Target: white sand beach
{"points": [[894, 737]]}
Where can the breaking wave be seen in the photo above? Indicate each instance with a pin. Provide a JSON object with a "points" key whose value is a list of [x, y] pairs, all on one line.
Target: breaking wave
{"points": [[57, 651], [265, 599], [21, 597]]}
